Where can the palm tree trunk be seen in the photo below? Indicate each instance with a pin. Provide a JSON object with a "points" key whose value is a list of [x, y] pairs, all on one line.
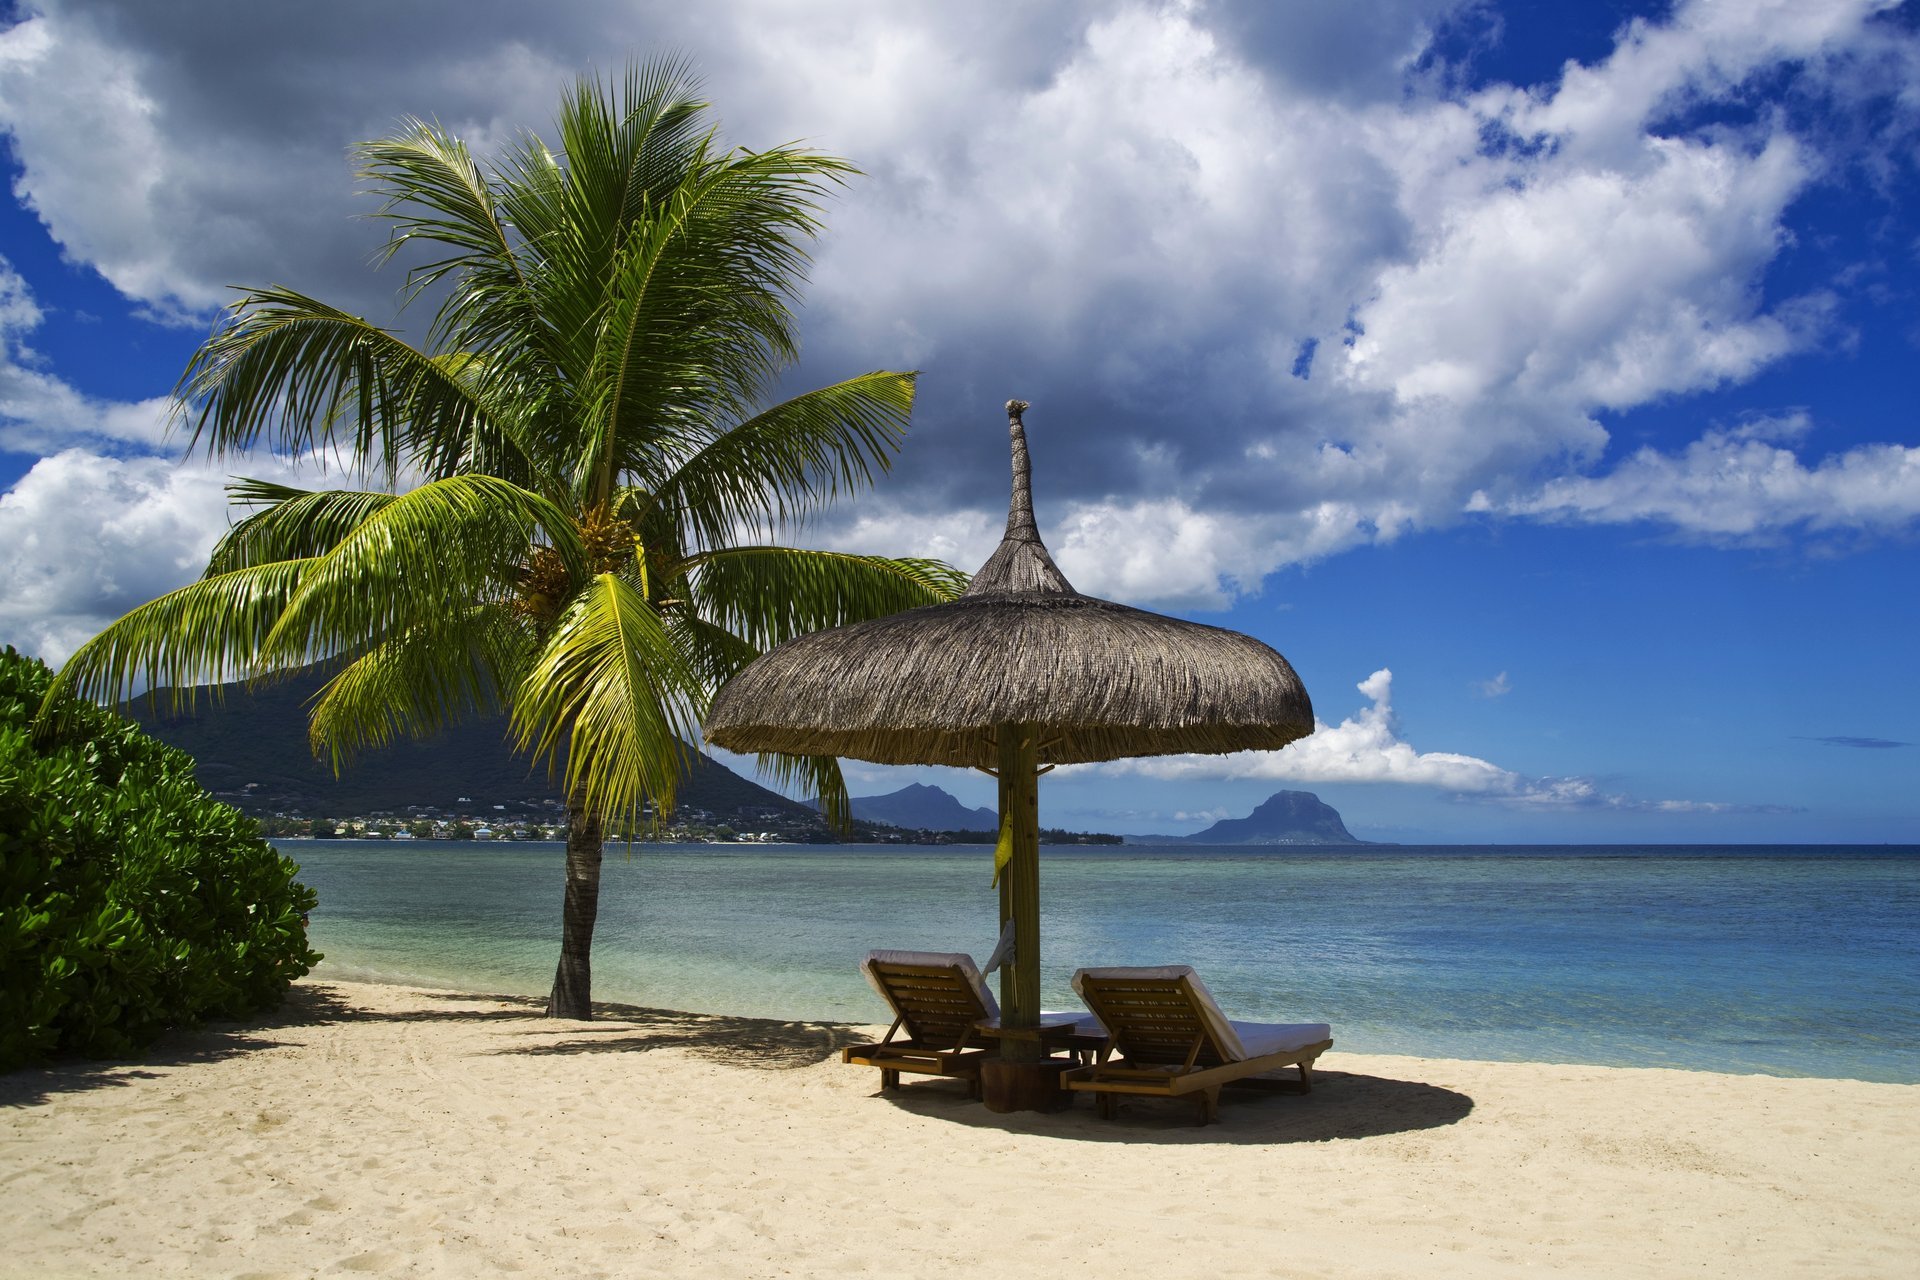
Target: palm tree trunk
{"points": [[573, 979]]}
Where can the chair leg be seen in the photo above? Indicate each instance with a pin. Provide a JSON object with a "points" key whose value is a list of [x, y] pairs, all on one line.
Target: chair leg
{"points": [[1106, 1106], [1306, 1077], [1209, 1100], [889, 1079]]}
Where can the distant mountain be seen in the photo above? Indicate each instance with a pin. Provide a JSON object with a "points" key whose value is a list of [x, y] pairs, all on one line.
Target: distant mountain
{"points": [[250, 749], [1285, 817], [923, 808]]}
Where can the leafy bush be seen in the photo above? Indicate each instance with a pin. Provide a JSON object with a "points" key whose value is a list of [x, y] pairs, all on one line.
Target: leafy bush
{"points": [[130, 900]]}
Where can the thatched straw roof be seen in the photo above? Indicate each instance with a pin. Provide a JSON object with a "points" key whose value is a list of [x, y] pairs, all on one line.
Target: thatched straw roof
{"points": [[1097, 680]]}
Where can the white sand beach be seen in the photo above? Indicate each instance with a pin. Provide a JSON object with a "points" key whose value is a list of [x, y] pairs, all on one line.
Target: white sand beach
{"points": [[368, 1129]]}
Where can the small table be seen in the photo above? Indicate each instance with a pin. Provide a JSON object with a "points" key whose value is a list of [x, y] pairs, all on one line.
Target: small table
{"points": [[1034, 1086]]}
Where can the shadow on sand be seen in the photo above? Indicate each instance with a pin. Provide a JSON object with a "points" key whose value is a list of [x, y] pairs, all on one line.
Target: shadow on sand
{"points": [[748, 1042], [182, 1047], [764, 1043], [1343, 1104]]}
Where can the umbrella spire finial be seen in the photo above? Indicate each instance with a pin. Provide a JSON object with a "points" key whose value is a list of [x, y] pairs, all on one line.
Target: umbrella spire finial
{"points": [[1020, 564], [1020, 509]]}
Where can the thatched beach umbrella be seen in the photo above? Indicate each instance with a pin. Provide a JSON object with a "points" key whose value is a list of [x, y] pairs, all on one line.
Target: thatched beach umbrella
{"points": [[1019, 674]]}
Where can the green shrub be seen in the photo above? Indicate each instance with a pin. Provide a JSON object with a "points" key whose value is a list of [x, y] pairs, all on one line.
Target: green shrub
{"points": [[130, 900]]}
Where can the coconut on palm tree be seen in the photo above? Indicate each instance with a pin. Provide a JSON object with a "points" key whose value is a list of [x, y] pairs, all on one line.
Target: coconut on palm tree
{"points": [[600, 480]]}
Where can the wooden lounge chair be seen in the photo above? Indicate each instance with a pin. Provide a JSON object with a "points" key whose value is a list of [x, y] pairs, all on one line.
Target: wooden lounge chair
{"points": [[940, 1000], [1168, 1039]]}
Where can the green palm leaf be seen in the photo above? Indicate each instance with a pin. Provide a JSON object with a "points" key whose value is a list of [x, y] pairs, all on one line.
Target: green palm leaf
{"points": [[441, 548], [696, 321], [296, 523], [302, 376], [786, 462], [419, 682], [206, 632], [610, 691], [769, 595]]}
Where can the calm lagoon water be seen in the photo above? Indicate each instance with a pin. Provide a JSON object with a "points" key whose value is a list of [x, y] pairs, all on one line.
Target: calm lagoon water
{"points": [[1787, 960]]}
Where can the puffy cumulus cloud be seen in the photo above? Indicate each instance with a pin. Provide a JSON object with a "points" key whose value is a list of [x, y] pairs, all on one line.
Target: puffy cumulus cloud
{"points": [[39, 413], [183, 151], [82, 125], [1575, 249], [1167, 552], [963, 539], [1703, 52], [1592, 288], [1273, 282], [90, 537], [1738, 486], [1367, 747]]}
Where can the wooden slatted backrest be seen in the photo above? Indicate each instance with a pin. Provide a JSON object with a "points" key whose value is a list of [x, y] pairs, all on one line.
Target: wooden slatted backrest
{"points": [[936, 1003], [1152, 1020]]}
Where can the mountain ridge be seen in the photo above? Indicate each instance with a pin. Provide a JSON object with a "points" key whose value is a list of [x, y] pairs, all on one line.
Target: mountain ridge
{"points": [[1285, 817], [249, 746], [919, 807]]}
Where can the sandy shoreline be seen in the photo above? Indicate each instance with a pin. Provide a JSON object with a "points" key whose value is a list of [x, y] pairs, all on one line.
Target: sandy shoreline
{"points": [[369, 1129]]}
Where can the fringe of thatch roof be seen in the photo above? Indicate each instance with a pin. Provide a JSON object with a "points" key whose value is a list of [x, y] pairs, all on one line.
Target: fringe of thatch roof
{"points": [[931, 686]]}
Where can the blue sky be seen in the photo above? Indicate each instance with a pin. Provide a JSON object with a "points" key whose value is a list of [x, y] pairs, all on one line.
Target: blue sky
{"points": [[1555, 359]]}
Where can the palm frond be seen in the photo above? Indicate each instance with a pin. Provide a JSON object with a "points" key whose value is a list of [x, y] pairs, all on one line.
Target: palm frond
{"points": [[435, 194], [768, 595], [609, 689], [817, 777], [697, 320], [713, 652], [443, 547], [204, 633], [306, 376], [420, 681], [295, 524], [786, 462]]}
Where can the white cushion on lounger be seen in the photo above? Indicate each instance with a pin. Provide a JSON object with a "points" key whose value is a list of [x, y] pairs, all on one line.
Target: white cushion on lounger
{"points": [[1237, 1040], [1259, 1038]]}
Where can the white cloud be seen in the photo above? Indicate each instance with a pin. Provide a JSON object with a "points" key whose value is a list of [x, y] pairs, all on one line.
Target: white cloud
{"points": [[39, 413], [1737, 486], [82, 127], [89, 537], [1591, 288], [1705, 50], [1134, 215], [1165, 553], [1367, 747], [1498, 687], [963, 539]]}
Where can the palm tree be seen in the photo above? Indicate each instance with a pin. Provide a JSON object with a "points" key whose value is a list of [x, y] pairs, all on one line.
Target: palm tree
{"points": [[590, 543]]}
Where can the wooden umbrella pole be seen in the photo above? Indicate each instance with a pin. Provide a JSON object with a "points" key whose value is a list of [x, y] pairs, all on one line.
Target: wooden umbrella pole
{"points": [[1020, 887]]}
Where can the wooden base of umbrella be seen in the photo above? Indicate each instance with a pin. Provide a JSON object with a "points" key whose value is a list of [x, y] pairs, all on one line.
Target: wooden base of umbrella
{"points": [[1025, 1086], [1020, 890]]}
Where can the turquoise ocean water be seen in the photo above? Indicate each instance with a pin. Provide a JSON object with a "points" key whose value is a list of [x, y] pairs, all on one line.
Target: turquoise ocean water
{"points": [[1787, 960]]}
